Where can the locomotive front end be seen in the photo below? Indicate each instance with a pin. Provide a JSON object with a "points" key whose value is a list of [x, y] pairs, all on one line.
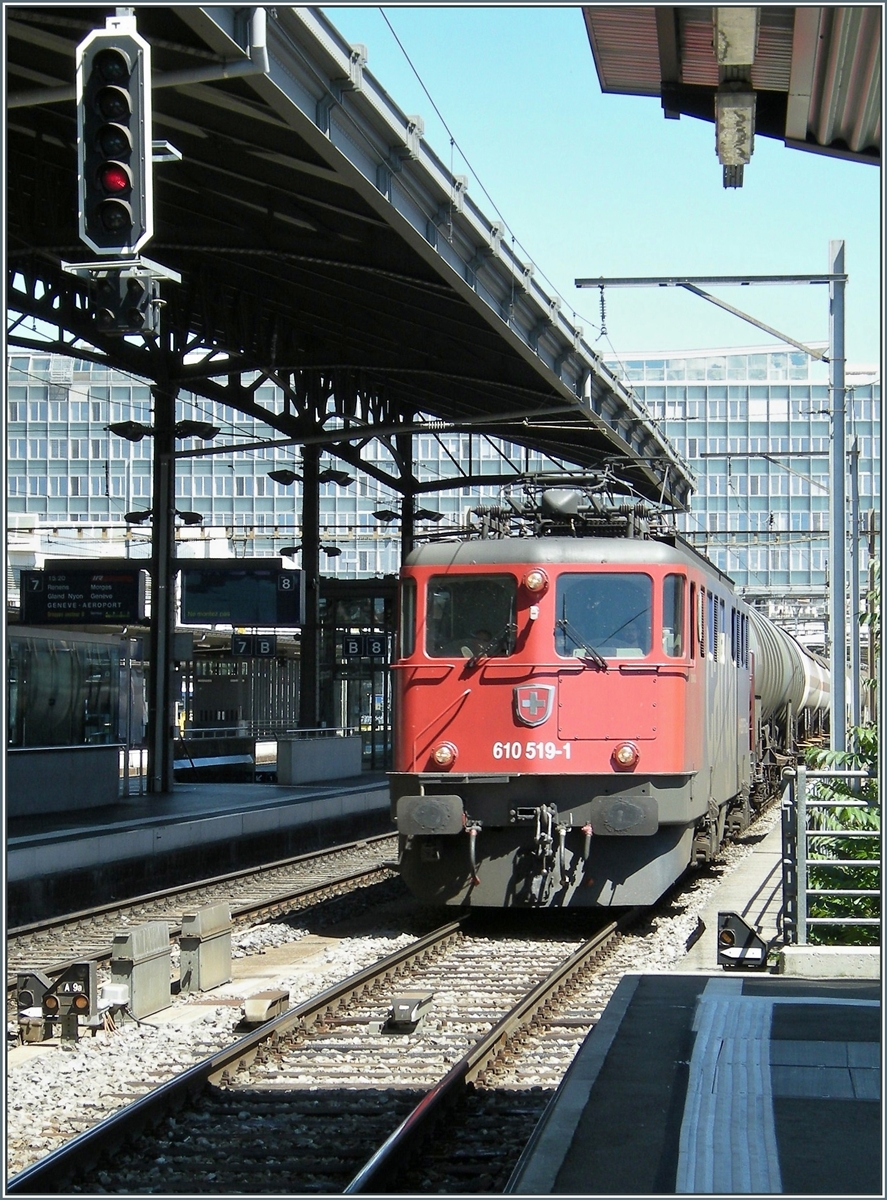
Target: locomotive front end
{"points": [[545, 696]]}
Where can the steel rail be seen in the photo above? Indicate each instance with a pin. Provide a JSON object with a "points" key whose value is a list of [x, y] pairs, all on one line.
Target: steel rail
{"points": [[184, 889], [56, 1170], [269, 906], [381, 1170]]}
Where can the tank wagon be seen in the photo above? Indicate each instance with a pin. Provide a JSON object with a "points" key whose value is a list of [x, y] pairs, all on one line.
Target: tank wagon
{"points": [[583, 705]]}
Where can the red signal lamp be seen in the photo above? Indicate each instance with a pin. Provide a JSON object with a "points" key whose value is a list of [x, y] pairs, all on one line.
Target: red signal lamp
{"points": [[115, 178]]}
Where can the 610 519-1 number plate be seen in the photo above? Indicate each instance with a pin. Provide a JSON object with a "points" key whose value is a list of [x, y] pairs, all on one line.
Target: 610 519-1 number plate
{"points": [[531, 750]]}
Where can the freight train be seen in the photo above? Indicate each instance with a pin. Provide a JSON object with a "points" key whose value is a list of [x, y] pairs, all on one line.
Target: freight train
{"points": [[583, 706]]}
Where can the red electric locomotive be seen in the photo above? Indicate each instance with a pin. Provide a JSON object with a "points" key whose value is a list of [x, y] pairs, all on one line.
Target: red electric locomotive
{"points": [[577, 716]]}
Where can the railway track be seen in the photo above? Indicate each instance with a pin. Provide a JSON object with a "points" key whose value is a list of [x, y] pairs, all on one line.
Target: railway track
{"points": [[253, 894], [326, 1098]]}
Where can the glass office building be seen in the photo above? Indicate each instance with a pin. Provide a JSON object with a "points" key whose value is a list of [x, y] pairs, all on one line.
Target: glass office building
{"points": [[753, 425], [70, 481]]}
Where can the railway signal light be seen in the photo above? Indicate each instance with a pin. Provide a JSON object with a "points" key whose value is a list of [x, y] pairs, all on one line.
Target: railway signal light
{"points": [[31, 987], [738, 944], [73, 994], [114, 152], [122, 301]]}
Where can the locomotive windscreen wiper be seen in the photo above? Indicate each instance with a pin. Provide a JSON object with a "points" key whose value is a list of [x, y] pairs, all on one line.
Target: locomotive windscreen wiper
{"points": [[502, 640], [589, 652]]}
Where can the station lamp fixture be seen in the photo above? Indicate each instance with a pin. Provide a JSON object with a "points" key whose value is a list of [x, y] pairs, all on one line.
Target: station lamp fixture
{"points": [[205, 430], [292, 551], [386, 514], [139, 516], [331, 475], [134, 431], [427, 514], [284, 476]]}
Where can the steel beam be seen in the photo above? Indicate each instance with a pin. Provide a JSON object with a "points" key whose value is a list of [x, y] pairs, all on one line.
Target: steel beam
{"points": [[837, 512]]}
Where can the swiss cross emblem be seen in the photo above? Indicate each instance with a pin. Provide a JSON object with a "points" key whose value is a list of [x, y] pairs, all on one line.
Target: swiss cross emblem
{"points": [[533, 703]]}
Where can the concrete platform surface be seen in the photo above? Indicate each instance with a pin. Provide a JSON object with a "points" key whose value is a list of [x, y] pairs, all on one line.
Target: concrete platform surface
{"points": [[192, 815], [734, 1083], [65, 862]]}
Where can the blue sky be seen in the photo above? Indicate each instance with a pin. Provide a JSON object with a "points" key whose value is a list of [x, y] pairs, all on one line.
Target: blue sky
{"points": [[593, 185]]}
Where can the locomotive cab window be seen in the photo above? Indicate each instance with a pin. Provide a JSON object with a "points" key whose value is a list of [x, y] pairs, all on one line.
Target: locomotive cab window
{"points": [[407, 627], [470, 615], [606, 613], [673, 615]]}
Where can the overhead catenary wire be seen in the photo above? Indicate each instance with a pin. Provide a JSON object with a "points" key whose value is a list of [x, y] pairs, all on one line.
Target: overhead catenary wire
{"points": [[454, 142]]}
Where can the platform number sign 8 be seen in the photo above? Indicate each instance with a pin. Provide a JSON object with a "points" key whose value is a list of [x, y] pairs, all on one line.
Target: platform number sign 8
{"points": [[364, 645]]}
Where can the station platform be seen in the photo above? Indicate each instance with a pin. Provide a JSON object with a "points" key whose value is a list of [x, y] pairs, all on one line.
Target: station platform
{"points": [[706, 1080], [735, 1083], [64, 862]]}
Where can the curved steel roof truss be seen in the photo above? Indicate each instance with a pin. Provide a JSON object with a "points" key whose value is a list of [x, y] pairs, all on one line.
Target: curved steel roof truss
{"points": [[321, 244]]}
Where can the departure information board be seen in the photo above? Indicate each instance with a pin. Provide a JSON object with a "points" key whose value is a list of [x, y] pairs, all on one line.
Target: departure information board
{"points": [[242, 592], [87, 597]]}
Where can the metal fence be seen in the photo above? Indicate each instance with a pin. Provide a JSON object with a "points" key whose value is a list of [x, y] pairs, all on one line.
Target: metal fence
{"points": [[810, 848]]}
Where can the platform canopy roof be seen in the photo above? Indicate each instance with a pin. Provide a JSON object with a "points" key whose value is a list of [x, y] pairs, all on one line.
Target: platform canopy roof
{"points": [[322, 246], [810, 76]]}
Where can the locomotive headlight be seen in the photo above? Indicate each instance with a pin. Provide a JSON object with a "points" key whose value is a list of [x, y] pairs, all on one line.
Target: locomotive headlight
{"points": [[626, 756], [536, 581], [444, 754]]}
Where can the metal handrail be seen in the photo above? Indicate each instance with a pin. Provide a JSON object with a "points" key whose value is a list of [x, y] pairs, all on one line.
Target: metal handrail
{"points": [[797, 857]]}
